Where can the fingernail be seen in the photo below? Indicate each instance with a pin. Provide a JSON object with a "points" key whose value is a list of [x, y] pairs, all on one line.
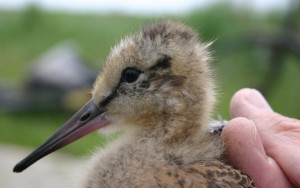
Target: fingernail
{"points": [[256, 99]]}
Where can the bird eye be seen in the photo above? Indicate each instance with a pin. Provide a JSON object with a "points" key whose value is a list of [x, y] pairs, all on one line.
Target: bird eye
{"points": [[130, 74]]}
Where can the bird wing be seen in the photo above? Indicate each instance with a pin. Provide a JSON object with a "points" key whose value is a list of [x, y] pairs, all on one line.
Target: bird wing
{"points": [[211, 174]]}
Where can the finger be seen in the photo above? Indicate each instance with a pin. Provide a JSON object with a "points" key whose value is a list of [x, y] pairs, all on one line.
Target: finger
{"points": [[283, 146], [249, 103], [245, 151]]}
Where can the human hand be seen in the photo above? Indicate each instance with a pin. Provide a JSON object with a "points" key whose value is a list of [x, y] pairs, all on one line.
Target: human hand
{"points": [[262, 143]]}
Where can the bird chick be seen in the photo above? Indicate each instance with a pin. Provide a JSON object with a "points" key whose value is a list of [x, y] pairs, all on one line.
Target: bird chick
{"points": [[157, 85]]}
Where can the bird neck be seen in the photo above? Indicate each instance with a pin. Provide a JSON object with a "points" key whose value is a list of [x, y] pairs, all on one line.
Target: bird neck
{"points": [[173, 128]]}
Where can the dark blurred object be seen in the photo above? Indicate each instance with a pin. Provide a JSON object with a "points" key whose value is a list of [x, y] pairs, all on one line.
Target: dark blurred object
{"points": [[61, 68], [281, 44], [58, 80], [11, 99]]}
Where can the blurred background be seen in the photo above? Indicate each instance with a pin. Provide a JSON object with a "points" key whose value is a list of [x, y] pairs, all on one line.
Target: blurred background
{"points": [[51, 51]]}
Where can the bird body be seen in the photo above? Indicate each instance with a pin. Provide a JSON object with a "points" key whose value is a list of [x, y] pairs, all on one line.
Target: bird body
{"points": [[157, 85], [131, 163]]}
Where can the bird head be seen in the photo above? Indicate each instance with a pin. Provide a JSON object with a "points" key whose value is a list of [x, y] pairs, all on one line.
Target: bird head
{"points": [[160, 71]]}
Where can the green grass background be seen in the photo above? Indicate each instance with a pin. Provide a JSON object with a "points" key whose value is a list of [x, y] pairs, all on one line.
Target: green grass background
{"points": [[26, 34]]}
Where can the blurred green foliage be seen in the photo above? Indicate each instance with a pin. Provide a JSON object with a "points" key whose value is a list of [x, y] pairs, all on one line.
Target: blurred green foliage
{"points": [[26, 34]]}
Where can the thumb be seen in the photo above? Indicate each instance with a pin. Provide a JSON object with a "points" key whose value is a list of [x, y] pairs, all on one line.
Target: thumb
{"points": [[245, 151], [249, 103]]}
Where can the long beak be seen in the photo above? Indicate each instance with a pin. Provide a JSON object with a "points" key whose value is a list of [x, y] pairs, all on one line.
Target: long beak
{"points": [[88, 119]]}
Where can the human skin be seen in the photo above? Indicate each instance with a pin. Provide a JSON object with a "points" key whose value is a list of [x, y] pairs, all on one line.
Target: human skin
{"points": [[261, 142]]}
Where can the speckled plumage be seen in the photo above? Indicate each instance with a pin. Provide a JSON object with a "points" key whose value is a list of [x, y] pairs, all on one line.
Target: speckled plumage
{"points": [[165, 114]]}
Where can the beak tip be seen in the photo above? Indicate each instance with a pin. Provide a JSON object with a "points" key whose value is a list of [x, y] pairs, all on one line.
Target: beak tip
{"points": [[17, 168]]}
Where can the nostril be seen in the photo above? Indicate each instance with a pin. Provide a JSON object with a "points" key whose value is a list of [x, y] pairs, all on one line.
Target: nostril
{"points": [[85, 116]]}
